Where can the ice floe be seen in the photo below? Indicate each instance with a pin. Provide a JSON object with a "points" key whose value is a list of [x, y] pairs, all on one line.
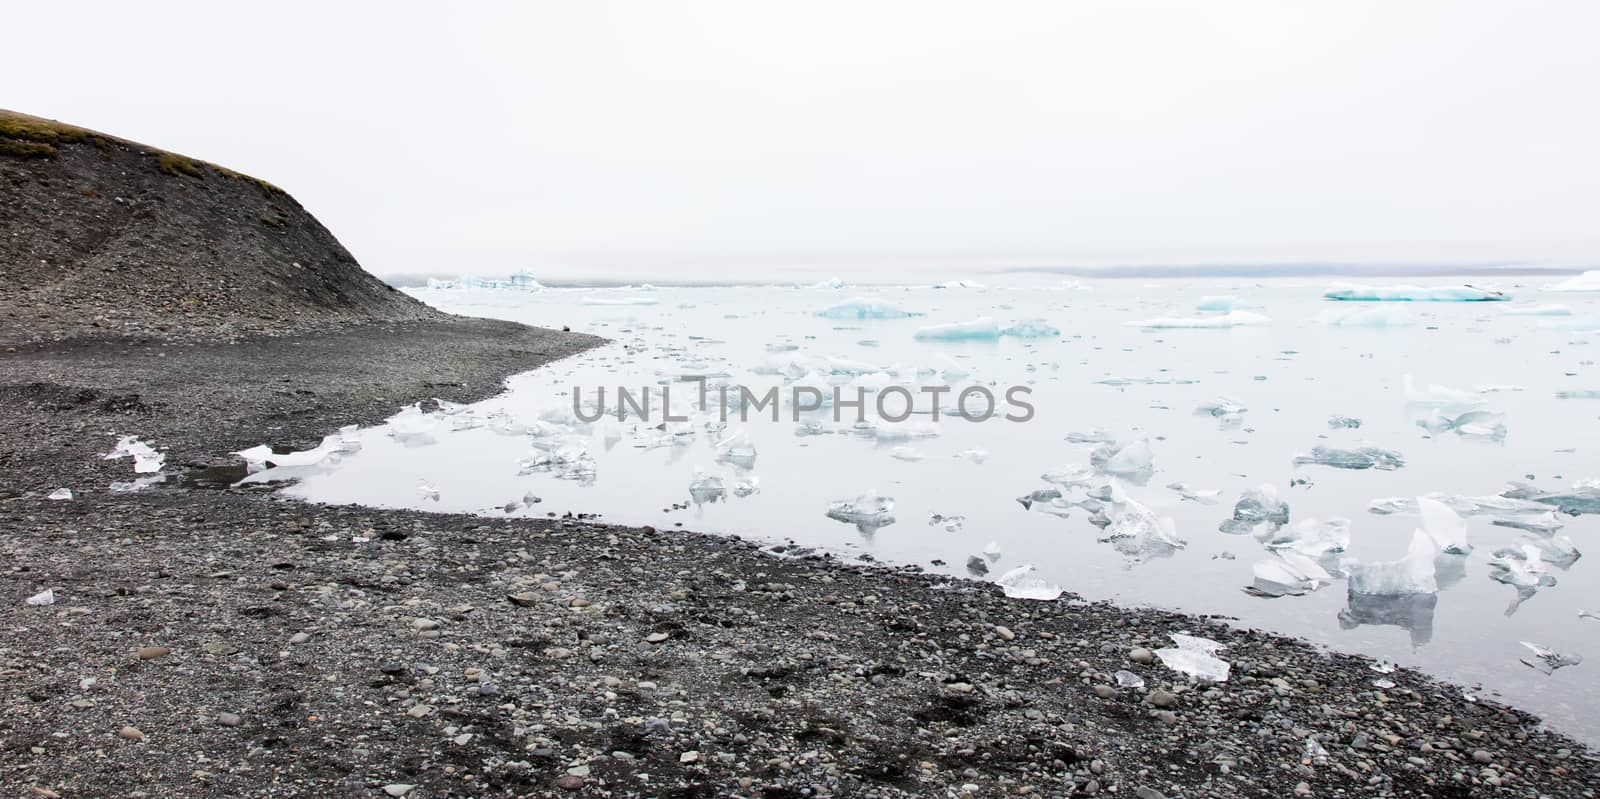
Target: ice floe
{"points": [[865, 308], [867, 512], [1355, 292], [1362, 457], [1412, 574], [983, 327]]}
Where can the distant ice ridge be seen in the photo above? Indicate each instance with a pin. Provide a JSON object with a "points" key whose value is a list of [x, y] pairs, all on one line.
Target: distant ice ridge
{"points": [[1367, 317], [864, 308], [1223, 321], [1354, 292], [521, 281], [1588, 281]]}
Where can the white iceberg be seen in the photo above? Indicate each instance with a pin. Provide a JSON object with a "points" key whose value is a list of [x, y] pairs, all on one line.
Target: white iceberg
{"points": [[1412, 574], [1196, 657], [1132, 460], [1227, 320], [705, 488], [1024, 582], [1312, 538], [1258, 510], [984, 327], [861, 308], [1588, 281], [1464, 505], [1287, 573], [867, 512], [1138, 533], [1522, 568], [1354, 292]]}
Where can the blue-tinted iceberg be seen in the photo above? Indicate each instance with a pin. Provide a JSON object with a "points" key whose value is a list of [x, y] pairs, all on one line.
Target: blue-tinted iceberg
{"points": [[1222, 303], [1031, 328], [1354, 292], [864, 308], [984, 327]]}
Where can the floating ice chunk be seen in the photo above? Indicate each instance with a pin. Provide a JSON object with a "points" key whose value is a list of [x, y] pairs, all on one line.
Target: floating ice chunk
{"points": [[992, 551], [42, 599], [737, 450], [1031, 328], [1069, 476], [619, 301], [811, 428], [1539, 310], [1204, 496], [1471, 424], [951, 523], [1579, 393], [146, 460], [1364, 457], [60, 494], [1287, 573], [1312, 538], [1546, 660], [1095, 436], [1464, 505], [1412, 574], [1196, 657], [867, 512], [1353, 292], [1367, 317], [261, 456], [706, 488], [1138, 533], [976, 454], [984, 327], [1258, 509], [1024, 582], [1227, 320], [1443, 526], [411, 427], [428, 492], [830, 283], [747, 486], [1038, 495], [1522, 568], [1222, 303], [861, 308], [1588, 281], [904, 453], [1557, 550], [1131, 460], [1583, 498], [1344, 423], [1127, 679], [1544, 524], [1222, 408]]}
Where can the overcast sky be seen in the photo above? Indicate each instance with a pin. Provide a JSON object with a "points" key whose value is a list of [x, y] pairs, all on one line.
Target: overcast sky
{"points": [[679, 140]]}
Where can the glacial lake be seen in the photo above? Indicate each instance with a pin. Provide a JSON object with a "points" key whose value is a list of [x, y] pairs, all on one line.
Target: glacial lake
{"points": [[1499, 394]]}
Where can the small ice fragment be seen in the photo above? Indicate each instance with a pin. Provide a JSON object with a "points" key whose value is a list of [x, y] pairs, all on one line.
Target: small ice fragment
{"points": [[952, 523], [977, 565], [1464, 505], [1138, 533], [1227, 320], [1546, 660], [138, 484], [1038, 495], [1127, 679], [1442, 397], [427, 491], [1363, 457], [1588, 614], [1068, 476], [747, 486], [1195, 657], [1031, 328], [1315, 751], [1344, 423], [861, 308], [1543, 524], [959, 284], [1095, 436], [146, 460], [737, 450], [1522, 568], [1383, 667], [43, 598], [1579, 393], [904, 453], [1312, 538], [867, 512], [705, 488], [1132, 460], [1444, 526], [984, 327], [60, 493], [1204, 496], [905, 431], [1024, 583], [1287, 573], [1556, 550], [1256, 508], [1221, 407], [992, 551], [811, 428], [1222, 303], [1583, 498], [1470, 424], [1352, 292], [1412, 574]]}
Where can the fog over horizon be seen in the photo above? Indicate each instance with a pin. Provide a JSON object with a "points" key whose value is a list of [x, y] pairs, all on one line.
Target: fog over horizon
{"points": [[882, 142]]}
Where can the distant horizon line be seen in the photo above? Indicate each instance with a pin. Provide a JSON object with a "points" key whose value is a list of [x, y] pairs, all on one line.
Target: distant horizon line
{"points": [[1120, 271]]}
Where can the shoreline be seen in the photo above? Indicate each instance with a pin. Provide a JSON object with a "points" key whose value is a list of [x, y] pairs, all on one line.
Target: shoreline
{"points": [[486, 657]]}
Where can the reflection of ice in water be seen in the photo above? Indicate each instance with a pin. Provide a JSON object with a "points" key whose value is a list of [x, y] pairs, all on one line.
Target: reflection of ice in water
{"points": [[1411, 612]]}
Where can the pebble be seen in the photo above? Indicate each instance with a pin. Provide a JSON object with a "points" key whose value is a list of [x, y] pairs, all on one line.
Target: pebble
{"points": [[569, 782], [299, 638], [424, 625], [1160, 698], [656, 638], [229, 719], [1483, 756], [153, 652], [1005, 633], [398, 789], [131, 733], [1141, 655], [690, 756]]}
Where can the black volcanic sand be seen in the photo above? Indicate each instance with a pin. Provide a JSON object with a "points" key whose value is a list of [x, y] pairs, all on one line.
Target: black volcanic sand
{"points": [[225, 643]]}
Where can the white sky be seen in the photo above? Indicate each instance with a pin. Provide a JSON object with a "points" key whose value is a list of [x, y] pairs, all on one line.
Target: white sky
{"points": [[679, 140]]}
